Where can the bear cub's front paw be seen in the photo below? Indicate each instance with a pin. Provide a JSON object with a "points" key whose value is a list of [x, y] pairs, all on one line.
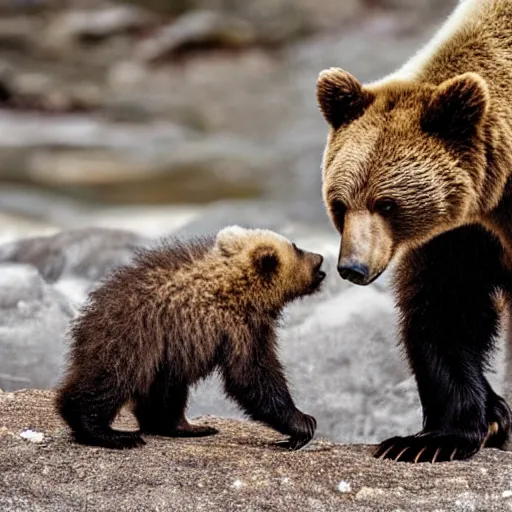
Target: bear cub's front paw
{"points": [[302, 432]]}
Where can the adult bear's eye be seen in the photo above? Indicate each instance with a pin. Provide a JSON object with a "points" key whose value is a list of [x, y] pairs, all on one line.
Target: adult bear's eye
{"points": [[385, 206], [338, 210]]}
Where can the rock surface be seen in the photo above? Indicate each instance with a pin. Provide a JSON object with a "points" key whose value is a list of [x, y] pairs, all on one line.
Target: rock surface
{"points": [[196, 30], [238, 469]]}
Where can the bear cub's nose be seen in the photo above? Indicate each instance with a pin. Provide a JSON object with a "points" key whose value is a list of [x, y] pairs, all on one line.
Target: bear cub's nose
{"points": [[319, 262]]}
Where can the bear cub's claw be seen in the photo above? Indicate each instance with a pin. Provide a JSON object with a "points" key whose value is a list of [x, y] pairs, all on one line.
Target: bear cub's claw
{"points": [[293, 444], [113, 439], [195, 431], [301, 432], [182, 429]]}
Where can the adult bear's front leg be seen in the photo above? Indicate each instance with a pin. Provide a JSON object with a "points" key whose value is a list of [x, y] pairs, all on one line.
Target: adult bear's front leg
{"points": [[449, 322]]}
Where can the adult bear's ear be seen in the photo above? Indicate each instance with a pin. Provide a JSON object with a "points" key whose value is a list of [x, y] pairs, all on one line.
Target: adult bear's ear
{"points": [[341, 98], [457, 107]]}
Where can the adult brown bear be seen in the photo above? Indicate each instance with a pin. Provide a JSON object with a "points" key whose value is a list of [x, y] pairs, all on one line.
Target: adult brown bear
{"points": [[419, 165]]}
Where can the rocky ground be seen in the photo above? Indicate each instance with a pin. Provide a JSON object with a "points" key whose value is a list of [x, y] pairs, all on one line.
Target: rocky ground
{"points": [[238, 469]]}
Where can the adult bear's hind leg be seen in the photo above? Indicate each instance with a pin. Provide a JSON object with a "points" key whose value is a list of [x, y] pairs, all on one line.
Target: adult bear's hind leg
{"points": [[449, 322]]}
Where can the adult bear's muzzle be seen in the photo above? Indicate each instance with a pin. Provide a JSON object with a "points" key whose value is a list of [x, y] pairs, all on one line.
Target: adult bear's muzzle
{"points": [[366, 247]]}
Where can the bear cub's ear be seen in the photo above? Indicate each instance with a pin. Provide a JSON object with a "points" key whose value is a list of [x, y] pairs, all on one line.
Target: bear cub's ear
{"points": [[342, 99], [231, 239], [457, 107], [265, 260]]}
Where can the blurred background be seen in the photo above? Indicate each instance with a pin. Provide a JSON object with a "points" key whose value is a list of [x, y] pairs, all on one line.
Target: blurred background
{"points": [[125, 121], [168, 105]]}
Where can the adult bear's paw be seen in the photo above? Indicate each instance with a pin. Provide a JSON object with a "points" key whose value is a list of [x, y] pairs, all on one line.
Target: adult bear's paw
{"points": [[499, 417], [429, 447]]}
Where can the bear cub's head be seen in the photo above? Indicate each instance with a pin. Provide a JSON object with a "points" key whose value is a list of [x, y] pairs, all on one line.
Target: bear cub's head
{"points": [[404, 162], [274, 267]]}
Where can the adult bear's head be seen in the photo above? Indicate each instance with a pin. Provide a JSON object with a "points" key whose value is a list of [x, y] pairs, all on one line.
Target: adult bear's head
{"points": [[404, 162]]}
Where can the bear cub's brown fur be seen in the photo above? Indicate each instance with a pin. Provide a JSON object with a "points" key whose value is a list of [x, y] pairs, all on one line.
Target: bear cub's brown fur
{"points": [[172, 317]]}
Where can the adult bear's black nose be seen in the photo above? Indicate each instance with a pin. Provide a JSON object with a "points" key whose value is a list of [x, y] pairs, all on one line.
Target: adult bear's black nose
{"points": [[354, 272]]}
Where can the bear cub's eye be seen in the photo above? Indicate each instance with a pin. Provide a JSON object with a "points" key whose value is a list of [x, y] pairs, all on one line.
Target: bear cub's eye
{"points": [[385, 206]]}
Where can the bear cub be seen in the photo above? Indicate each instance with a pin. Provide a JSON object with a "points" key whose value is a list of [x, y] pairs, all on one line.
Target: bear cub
{"points": [[177, 313]]}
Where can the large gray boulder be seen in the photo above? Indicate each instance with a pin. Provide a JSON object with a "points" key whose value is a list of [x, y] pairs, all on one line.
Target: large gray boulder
{"points": [[43, 281], [33, 320], [82, 253]]}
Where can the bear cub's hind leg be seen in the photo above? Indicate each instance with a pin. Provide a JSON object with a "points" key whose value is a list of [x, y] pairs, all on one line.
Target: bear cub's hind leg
{"points": [[90, 412], [162, 411]]}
